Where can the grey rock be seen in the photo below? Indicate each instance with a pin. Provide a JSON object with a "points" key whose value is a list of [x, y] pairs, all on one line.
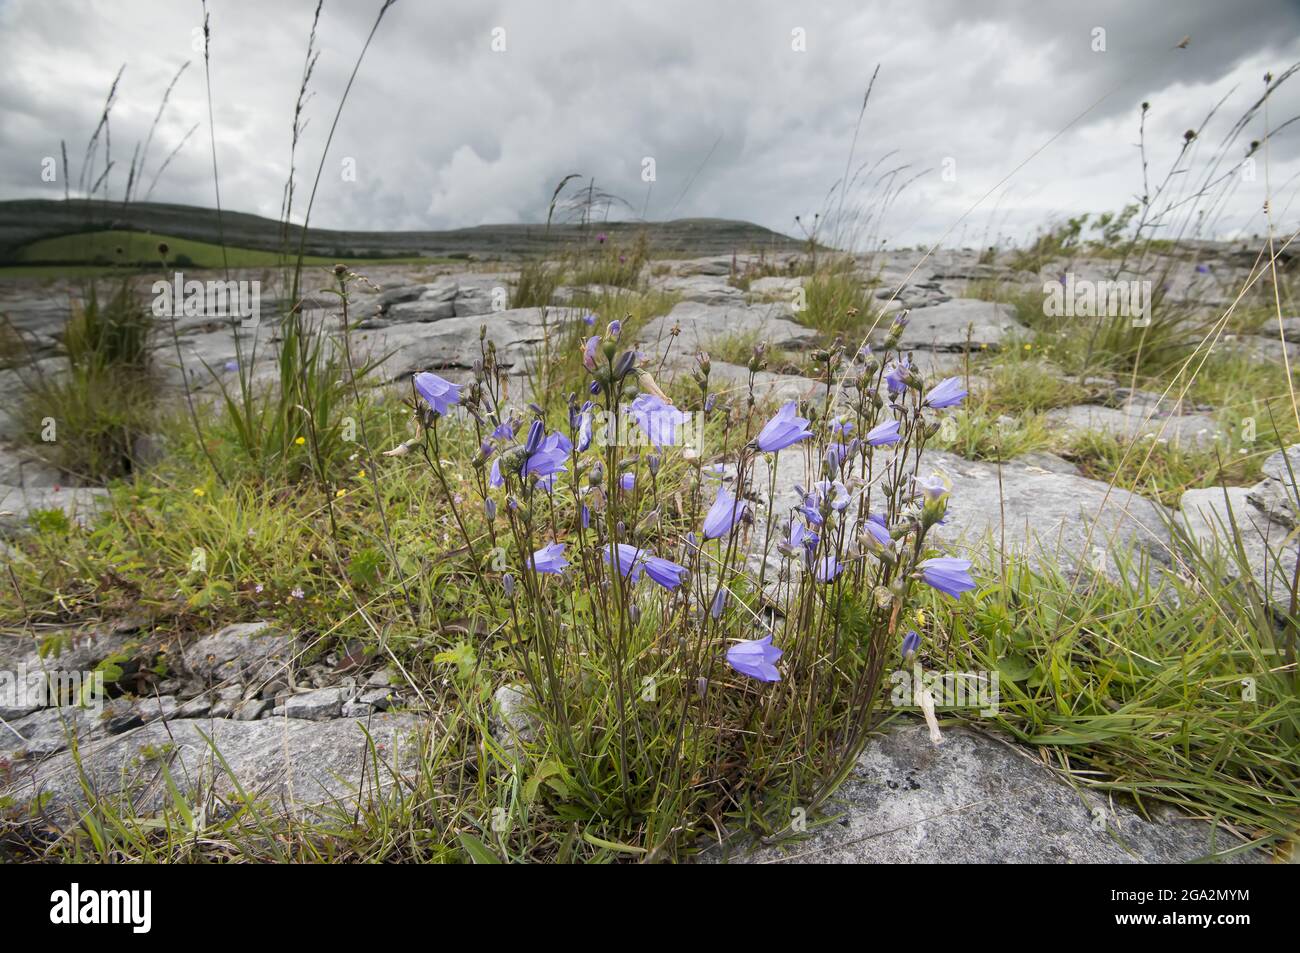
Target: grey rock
{"points": [[1051, 516], [250, 709], [567, 294], [1276, 495], [422, 310], [933, 366], [1276, 500], [356, 710], [252, 652], [227, 700], [119, 715], [479, 301], [702, 325], [957, 324], [163, 706], [964, 272], [444, 289], [286, 763], [47, 731], [702, 289], [81, 650], [732, 381], [1154, 403], [1271, 552], [12, 707], [919, 297], [453, 343], [776, 287], [211, 357], [13, 382], [721, 265], [514, 719], [19, 504], [1131, 420], [196, 707], [381, 698], [1263, 347], [22, 691], [318, 705], [450, 296], [191, 688], [1054, 518], [1290, 329], [399, 295], [976, 800], [21, 469], [16, 648], [318, 676], [1048, 462], [1282, 464]]}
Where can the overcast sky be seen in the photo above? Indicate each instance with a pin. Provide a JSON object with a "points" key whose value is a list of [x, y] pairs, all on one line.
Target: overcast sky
{"points": [[747, 108]]}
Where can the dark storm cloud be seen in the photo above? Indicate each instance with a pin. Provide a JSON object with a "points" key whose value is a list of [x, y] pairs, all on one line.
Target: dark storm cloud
{"points": [[443, 131]]}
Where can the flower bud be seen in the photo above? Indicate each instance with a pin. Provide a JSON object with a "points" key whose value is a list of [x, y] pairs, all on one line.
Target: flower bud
{"points": [[933, 511], [535, 434], [625, 363]]}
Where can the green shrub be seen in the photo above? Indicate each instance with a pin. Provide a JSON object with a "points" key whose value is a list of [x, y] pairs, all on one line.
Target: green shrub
{"points": [[85, 417]]}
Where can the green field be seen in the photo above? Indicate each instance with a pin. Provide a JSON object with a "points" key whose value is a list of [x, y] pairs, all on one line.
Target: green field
{"points": [[94, 252]]}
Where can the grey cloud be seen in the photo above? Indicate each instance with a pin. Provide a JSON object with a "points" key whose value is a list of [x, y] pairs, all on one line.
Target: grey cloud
{"points": [[445, 132]]}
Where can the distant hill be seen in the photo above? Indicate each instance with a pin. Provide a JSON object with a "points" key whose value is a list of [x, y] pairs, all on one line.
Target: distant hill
{"points": [[28, 220]]}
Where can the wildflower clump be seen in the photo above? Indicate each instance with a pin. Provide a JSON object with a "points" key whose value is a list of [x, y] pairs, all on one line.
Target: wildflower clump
{"points": [[701, 628]]}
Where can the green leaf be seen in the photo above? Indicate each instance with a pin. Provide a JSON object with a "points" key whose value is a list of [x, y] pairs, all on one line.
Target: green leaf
{"points": [[111, 671], [462, 655], [365, 567], [612, 845], [550, 773], [1015, 667], [478, 851]]}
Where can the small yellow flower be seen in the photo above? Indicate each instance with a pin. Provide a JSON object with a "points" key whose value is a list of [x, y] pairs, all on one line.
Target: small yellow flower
{"points": [[199, 491], [361, 474], [920, 617], [300, 440], [340, 492], [1029, 347]]}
